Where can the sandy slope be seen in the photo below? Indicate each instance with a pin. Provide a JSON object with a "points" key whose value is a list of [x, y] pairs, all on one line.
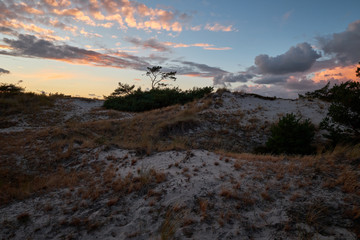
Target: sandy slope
{"points": [[64, 111], [112, 193], [204, 196]]}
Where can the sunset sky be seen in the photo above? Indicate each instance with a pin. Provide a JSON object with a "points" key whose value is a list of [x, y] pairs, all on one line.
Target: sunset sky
{"points": [[84, 48]]}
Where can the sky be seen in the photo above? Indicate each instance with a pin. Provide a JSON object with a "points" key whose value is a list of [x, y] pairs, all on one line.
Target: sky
{"points": [[84, 48]]}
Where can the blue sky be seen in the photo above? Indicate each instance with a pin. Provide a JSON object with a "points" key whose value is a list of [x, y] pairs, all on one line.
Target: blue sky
{"points": [[275, 48]]}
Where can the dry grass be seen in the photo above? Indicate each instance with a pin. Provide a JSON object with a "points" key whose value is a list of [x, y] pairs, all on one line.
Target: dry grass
{"points": [[203, 205], [25, 103], [229, 193], [19, 185], [173, 219]]}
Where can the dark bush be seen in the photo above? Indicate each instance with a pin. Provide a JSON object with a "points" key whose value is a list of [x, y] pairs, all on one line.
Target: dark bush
{"points": [[291, 136], [343, 118], [10, 89], [138, 100]]}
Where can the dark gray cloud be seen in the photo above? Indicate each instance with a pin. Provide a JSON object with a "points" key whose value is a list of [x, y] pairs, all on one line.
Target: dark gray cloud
{"points": [[31, 46], [343, 46], [272, 79], [151, 43], [4, 71], [231, 77], [297, 59], [198, 69], [6, 30]]}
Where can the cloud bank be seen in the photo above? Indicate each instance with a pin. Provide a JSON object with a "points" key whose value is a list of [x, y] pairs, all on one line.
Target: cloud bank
{"points": [[302, 68]]}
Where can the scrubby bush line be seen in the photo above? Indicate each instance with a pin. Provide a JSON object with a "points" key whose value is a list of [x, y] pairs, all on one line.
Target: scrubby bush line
{"points": [[139, 101]]}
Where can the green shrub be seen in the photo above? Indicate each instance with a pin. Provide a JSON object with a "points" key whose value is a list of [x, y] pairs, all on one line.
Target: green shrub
{"points": [[290, 136], [138, 100], [343, 118]]}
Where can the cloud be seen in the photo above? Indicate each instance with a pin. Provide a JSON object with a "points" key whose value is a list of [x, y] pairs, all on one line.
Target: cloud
{"points": [[7, 30], [301, 68], [272, 79], [101, 13], [231, 77], [90, 35], [297, 59], [205, 46], [200, 70], [4, 71], [150, 43], [344, 46], [57, 3], [219, 28], [153, 43], [31, 46]]}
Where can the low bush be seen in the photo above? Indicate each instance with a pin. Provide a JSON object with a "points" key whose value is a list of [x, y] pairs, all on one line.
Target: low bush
{"points": [[139, 101], [291, 136]]}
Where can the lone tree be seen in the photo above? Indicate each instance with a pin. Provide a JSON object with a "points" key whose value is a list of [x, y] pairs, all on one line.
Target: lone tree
{"points": [[157, 76]]}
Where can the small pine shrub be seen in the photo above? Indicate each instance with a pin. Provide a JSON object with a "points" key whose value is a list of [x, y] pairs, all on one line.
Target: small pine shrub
{"points": [[291, 136], [343, 119]]}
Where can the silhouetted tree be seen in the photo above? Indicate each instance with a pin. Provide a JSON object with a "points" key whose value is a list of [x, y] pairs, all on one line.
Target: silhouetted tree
{"points": [[157, 76], [123, 89], [10, 88], [343, 119]]}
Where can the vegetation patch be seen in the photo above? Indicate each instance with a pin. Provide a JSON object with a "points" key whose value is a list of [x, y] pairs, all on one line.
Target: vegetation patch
{"points": [[291, 136]]}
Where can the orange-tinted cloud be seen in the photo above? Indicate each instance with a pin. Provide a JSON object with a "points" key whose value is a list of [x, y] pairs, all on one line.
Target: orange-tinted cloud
{"points": [[28, 27], [31, 10], [76, 14], [58, 3], [337, 73], [41, 32], [90, 35], [5, 46]]}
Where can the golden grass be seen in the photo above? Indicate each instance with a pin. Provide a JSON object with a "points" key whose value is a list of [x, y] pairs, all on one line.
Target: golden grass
{"points": [[24, 103]]}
